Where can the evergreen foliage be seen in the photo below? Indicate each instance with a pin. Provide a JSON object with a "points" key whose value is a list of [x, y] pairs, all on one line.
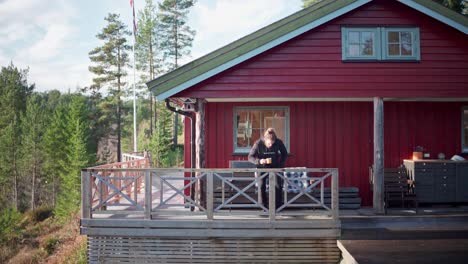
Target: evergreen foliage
{"points": [[32, 150], [14, 91], [111, 60], [306, 3], [77, 130]]}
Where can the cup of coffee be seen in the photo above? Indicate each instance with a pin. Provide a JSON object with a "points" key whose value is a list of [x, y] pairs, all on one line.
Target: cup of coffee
{"points": [[268, 161]]}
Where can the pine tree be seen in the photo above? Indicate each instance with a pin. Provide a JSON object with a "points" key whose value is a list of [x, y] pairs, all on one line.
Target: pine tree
{"points": [[148, 58], [32, 151], [176, 37], [14, 91], [111, 60]]}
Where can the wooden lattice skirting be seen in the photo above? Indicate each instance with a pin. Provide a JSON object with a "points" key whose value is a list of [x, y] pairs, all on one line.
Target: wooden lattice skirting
{"points": [[108, 249]]}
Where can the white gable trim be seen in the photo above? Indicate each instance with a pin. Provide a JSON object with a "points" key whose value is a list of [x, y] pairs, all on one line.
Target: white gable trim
{"points": [[435, 15], [261, 49]]}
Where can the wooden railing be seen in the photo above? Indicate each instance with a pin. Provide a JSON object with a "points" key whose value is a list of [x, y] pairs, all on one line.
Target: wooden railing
{"points": [[117, 191]]}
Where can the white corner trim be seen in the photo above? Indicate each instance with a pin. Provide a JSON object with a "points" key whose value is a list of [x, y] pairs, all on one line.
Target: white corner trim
{"points": [[435, 15], [261, 49]]}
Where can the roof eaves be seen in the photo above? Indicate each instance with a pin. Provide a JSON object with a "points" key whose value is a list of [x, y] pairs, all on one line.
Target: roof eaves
{"points": [[250, 46], [440, 12]]}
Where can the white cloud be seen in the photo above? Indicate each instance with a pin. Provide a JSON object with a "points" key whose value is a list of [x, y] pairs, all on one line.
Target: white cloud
{"points": [[228, 20], [52, 38]]}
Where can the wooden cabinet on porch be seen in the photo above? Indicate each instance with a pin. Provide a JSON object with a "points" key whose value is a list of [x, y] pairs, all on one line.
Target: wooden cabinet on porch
{"points": [[439, 181]]}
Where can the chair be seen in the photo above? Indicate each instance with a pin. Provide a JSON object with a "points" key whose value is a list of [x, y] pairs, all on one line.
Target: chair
{"points": [[398, 188]]}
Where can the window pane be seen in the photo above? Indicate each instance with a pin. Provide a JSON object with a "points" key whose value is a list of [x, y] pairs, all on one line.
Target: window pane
{"points": [[394, 50], [367, 37], [406, 49], [406, 37], [353, 37], [367, 44], [353, 50], [393, 37], [465, 128], [367, 49]]}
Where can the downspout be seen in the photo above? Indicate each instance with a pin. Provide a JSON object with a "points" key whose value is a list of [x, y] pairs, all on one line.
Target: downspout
{"points": [[192, 143]]}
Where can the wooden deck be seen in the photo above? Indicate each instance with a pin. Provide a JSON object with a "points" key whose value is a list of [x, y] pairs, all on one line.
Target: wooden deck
{"points": [[146, 216]]}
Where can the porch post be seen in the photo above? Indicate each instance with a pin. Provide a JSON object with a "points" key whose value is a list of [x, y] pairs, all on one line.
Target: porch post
{"points": [[378, 200], [200, 145]]}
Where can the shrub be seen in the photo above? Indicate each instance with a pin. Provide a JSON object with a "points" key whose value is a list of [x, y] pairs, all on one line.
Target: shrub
{"points": [[50, 245], [9, 219], [42, 213]]}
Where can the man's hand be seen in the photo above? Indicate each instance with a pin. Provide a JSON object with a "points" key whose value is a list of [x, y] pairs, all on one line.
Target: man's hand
{"points": [[262, 161]]}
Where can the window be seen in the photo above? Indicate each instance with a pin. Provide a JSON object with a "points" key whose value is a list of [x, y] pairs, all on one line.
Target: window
{"points": [[401, 44], [251, 122], [465, 129], [360, 43], [380, 44]]}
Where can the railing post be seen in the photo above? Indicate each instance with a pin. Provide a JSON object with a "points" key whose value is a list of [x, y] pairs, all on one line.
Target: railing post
{"points": [[272, 196], [86, 195], [148, 194], [335, 195], [209, 195]]}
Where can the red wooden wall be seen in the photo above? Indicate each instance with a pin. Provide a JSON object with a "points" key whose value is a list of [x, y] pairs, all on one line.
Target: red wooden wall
{"points": [[311, 66], [340, 135]]}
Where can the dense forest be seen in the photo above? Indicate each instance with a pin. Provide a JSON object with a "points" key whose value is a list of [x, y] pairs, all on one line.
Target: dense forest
{"points": [[46, 138]]}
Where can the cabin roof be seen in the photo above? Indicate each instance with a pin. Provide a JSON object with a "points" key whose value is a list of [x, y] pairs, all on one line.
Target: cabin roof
{"points": [[277, 33]]}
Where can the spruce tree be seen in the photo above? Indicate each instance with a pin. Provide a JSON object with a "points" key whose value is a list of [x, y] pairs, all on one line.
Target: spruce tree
{"points": [[55, 149], [111, 60], [32, 151], [77, 157]]}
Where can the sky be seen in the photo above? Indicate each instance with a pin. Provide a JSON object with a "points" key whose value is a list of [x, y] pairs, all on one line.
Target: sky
{"points": [[52, 38]]}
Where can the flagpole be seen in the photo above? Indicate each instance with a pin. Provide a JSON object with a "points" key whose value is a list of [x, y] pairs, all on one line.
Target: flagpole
{"points": [[134, 83]]}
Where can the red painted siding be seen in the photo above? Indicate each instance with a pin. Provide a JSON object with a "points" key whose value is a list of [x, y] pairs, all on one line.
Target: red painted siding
{"points": [[340, 135], [311, 66]]}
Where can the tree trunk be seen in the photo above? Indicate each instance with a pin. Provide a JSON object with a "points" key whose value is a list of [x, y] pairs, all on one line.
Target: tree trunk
{"points": [[151, 69], [15, 176], [119, 153], [33, 188]]}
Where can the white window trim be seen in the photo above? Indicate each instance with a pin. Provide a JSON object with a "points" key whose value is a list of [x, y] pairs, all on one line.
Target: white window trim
{"points": [[344, 45], [285, 140], [380, 44], [415, 42], [464, 145]]}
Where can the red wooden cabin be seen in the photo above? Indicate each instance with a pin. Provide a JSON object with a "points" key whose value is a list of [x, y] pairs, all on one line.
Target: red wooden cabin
{"points": [[320, 76]]}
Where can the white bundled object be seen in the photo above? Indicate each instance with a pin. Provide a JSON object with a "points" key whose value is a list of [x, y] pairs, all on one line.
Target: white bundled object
{"points": [[457, 158], [298, 180]]}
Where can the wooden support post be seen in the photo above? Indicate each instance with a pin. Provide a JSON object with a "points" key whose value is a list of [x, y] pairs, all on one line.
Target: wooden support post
{"points": [[200, 145], [272, 196], [335, 192], [148, 194], [209, 195], [86, 192], [378, 200]]}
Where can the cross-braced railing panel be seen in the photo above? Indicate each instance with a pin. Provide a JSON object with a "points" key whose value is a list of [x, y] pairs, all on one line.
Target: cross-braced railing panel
{"points": [[218, 192]]}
